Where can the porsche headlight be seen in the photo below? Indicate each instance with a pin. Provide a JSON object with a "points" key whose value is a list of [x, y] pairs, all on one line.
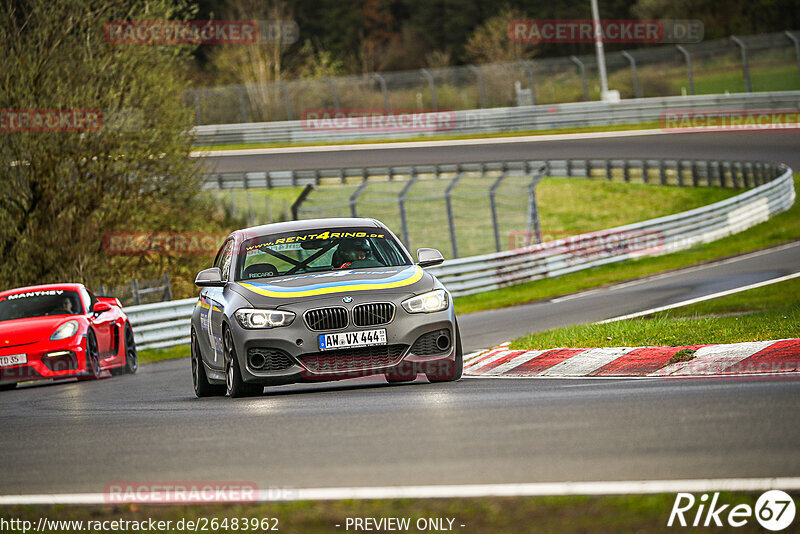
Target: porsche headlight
{"points": [[66, 330], [432, 301], [251, 318]]}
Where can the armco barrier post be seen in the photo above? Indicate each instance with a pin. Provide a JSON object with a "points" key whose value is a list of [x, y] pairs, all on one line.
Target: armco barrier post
{"points": [[745, 67], [448, 201], [688, 60]]}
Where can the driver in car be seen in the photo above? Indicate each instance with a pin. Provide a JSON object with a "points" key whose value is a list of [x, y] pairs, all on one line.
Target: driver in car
{"points": [[353, 253], [64, 307]]}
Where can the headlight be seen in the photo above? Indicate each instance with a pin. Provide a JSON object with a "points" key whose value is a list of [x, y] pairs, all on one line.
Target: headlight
{"points": [[250, 318], [66, 330], [432, 301]]}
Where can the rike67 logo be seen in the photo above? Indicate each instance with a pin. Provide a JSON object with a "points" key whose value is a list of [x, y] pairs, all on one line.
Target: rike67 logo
{"points": [[774, 510]]}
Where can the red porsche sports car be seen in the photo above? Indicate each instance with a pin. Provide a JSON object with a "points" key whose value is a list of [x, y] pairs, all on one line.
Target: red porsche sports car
{"points": [[62, 331]]}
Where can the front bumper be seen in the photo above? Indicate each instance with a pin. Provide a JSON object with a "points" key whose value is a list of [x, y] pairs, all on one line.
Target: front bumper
{"points": [[296, 347], [46, 360]]}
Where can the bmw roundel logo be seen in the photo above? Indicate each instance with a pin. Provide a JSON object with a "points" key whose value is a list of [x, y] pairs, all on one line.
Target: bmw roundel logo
{"points": [[347, 300]]}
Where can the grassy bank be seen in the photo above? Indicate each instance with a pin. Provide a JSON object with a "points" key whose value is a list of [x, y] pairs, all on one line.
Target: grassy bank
{"points": [[780, 229], [770, 312]]}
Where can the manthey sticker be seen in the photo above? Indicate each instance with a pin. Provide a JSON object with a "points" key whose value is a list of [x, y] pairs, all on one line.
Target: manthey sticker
{"points": [[337, 282]]}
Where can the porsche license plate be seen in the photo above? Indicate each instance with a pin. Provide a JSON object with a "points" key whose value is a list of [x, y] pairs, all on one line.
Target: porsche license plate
{"points": [[14, 359], [344, 340]]}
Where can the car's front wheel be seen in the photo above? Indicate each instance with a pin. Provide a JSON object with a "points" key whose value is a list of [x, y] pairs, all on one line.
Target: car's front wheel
{"points": [[8, 387], [202, 387], [234, 382]]}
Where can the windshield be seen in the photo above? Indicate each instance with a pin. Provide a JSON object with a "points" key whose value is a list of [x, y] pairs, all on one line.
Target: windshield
{"points": [[318, 251], [39, 303]]}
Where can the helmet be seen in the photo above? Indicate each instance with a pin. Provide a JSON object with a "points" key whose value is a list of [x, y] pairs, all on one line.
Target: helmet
{"points": [[354, 249]]}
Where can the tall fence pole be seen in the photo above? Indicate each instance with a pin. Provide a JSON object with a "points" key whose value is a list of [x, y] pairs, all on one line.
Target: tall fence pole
{"points": [[745, 67], [334, 93], [637, 90], [531, 80], [287, 100], [493, 204], [384, 90], [354, 198], [793, 38], [401, 204], [299, 201], [534, 224], [242, 104], [448, 200], [689, 74], [481, 89], [582, 71], [431, 86]]}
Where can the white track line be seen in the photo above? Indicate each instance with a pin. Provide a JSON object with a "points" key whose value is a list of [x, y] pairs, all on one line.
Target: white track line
{"points": [[702, 299], [462, 490]]}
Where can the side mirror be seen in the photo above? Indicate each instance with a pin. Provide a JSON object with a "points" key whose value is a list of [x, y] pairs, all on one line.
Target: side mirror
{"points": [[428, 257], [211, 277], [100, 307]]}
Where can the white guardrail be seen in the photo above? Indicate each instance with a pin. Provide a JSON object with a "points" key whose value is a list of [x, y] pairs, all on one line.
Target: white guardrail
{"points": [[520, 118], [166, 324]]}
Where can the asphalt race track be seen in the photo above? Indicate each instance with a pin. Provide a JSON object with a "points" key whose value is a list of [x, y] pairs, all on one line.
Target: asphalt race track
{"points": [[773, 145], [78, 437]]}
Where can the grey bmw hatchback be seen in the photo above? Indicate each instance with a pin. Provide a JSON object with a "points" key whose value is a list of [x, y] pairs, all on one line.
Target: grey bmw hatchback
{"points": [[320, 300]]}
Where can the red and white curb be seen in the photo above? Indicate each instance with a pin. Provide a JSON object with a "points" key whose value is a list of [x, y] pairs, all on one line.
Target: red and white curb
{"points": [[756, 357]]}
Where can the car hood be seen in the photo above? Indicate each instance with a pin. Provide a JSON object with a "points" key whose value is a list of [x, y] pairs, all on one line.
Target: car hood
{"points": [[30, 330], [411, 280]]}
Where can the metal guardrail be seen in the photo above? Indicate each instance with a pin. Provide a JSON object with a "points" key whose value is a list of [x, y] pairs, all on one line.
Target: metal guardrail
{"points": [[508, 119], [166, 324]]}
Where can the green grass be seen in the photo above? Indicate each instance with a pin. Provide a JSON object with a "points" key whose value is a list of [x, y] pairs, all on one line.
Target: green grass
{"points": [[769, 312], [782, 228], [607, 514], [157, 355]]}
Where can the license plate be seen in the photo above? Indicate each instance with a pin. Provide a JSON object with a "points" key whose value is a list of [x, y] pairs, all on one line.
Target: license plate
{"points": [[342, 340], [14, 359]]}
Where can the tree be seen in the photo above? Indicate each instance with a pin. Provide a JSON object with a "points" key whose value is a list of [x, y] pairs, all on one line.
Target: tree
{"points": [[490, 42], [61, 191]]}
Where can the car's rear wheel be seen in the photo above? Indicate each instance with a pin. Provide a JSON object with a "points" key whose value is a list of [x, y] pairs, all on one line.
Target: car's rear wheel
{"points": [[235, 384], [92, 357], [202, 387], [131, 364], [449, 371]]}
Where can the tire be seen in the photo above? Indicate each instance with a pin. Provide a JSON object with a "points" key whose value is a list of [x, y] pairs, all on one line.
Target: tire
{"points": [[131, 364], [234, 383], [8, 387], [202, 387], [450, 373], [92, 355]]}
